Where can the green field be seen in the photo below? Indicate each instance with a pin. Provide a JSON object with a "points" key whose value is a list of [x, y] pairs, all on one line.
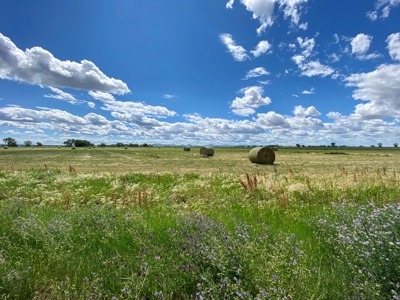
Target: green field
{"points": [[151, 223]]}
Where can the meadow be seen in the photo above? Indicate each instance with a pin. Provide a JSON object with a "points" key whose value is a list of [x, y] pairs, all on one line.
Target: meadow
{"points": [[163, 223]]}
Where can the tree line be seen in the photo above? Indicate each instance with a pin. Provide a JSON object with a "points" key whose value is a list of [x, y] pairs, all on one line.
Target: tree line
{"points": [[11, 142]]}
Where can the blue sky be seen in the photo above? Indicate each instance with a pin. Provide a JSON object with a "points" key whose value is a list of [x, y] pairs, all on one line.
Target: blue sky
{"points": [[204, 72]]}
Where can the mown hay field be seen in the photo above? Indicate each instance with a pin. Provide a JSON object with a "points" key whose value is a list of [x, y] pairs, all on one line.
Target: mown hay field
{"points": [[163, 223], [161, 160]]}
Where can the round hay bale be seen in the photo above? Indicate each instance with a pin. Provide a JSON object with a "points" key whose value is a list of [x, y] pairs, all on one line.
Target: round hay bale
{"points": [[262, 155], [207, 151], [5, 147], [186, 148]]}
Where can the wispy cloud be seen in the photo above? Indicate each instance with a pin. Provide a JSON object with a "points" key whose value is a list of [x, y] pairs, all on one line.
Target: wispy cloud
{"points": [[372, 15], [264, 82], [238, 52], [256, 72], [169, 96], [61, 95], [310, 92], [106, 97]]}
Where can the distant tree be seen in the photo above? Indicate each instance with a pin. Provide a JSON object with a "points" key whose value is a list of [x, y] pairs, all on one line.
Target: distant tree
{"points": [[380, 145], [39, 144], [69, 142], [372, 146], [145, 145], [82, 143], [395, 145], [120, 144], [102, 145], [28, 143], [10, 142], [133, 145], [333, 144], [298, 145]]}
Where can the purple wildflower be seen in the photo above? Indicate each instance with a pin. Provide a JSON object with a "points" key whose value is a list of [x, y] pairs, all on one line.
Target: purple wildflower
{"points": [[239, 295], [159, 295], [185, 268]]}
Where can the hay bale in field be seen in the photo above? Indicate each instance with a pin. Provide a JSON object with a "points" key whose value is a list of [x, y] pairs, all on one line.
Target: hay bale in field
{"points": [[186, 148], [207, 151], [5, 147], [262, 155]]}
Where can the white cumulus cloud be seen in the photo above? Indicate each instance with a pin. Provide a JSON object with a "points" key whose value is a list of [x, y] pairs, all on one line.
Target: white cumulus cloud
{"points": [[380, 89], [360, 45], [261, 48], [300, 111], [96, 119], [393, 41], [229, 4], [251, 100], [272, 119], [262, 10], [38, 66]]}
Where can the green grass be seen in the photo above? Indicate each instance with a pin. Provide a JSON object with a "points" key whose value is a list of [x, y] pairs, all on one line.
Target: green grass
{"points": [[148, 222]]}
